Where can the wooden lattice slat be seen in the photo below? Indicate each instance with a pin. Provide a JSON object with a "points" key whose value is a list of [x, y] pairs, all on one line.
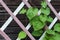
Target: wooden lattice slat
{"points": [[4, 35], [19, 23], [16, 20]]}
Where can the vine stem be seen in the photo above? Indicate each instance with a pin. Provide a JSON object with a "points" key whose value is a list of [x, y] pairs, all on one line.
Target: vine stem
{"points": [[16, 19]]}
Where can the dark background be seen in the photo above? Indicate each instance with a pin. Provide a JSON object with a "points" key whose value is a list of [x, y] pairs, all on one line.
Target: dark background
{"points": [[13, 29]]}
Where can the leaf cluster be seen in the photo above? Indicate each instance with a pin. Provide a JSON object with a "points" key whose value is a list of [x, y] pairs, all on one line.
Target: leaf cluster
{"points": [[53, 34], [37, 22]]}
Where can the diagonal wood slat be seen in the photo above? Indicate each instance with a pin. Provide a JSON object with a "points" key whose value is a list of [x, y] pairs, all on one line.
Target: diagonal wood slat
{"points": [[17, 20], [10, 18], [6, 22], [4, 35], [13, 16]]}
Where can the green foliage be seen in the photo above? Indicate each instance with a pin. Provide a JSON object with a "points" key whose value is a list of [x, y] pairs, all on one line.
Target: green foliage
{"points": [[48, 37], [32, 12], [52, 34], [45, 11], [37, 25], [22, 35], [57, 27], [23, 11], [37, 33], [57, 36], [43, 4], [37, 22], [43, 18], [49, 19]]}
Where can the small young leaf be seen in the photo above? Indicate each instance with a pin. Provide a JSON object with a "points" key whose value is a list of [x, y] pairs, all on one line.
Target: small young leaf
{"points": [[22, 35], [57, 36], [45, 11], [23, 11], [43, 4], [57, 27], [49, 19], [37, 33], [50, 32], [32, 12]]}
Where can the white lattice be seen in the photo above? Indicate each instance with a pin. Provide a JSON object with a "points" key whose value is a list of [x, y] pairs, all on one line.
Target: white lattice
{"points": [[4, 26]]}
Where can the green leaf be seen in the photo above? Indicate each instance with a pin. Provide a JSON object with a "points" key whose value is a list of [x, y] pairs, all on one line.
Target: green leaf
{"points": [[43, 4], [45, 11], [51, 39], [37, 33], [44, 38], [23, 11], [57, 27], [49, 19], [32, 12], [37, 25], [22, 35], [57, 36], [50, 32], [43, 18], [48, 37]]}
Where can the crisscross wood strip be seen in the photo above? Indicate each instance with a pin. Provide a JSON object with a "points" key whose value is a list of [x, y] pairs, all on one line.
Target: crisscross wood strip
{"points": [[4, 26], [4, 35], [16, 19], [53, 10], [27, 4]]}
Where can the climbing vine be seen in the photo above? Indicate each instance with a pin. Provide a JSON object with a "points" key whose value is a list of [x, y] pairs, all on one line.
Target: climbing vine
{"points": [[37, 22]]}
